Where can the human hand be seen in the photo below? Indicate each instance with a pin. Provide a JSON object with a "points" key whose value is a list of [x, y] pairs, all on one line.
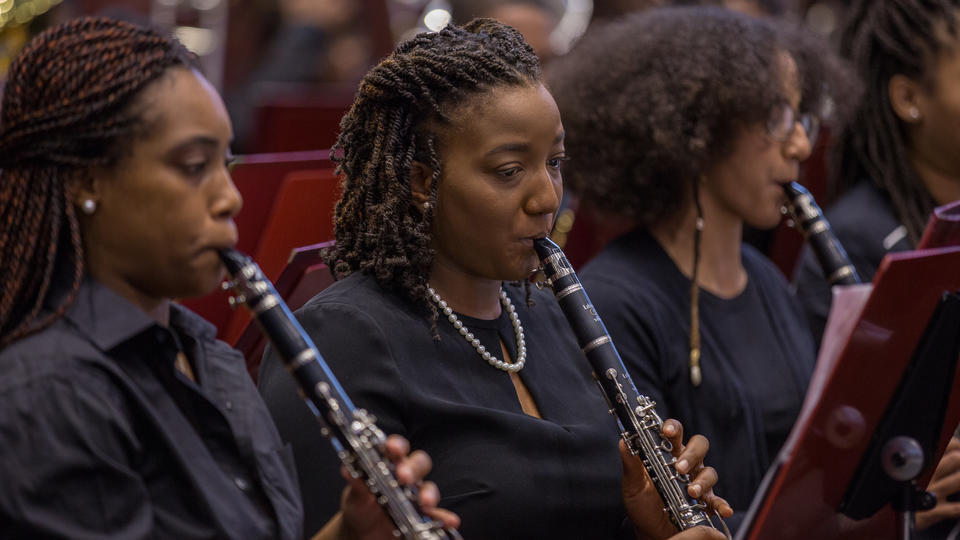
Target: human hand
{"points": [[643, 503], [945, 482], [362, 517]]}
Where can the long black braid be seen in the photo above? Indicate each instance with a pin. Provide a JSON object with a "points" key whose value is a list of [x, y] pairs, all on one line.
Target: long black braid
{"points": [[67, 106], [402, 105], [884, 39]]}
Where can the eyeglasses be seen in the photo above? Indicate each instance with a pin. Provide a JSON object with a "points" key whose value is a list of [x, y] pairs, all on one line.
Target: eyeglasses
{"points": [[783, 120]]}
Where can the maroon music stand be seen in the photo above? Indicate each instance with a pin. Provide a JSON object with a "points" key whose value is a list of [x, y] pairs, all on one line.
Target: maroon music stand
{"points": [[943, 229], [873, 341]]}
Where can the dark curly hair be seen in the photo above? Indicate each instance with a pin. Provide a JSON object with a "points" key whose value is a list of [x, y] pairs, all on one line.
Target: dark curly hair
{"points": [[883, 39], [652, 101], [67, 106], [402, 106]]}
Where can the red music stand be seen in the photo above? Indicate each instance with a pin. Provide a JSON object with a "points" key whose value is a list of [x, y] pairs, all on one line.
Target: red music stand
{"points": [[303, 277], [876, 338], [943, 229]]}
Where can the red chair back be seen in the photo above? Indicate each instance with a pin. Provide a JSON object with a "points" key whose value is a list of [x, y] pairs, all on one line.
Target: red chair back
{"points": [[294, 117], [302, 214], [303, 277]]}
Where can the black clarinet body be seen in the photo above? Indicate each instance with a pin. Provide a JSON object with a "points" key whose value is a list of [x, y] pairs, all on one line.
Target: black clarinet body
{"points": [[353, 432], [640, 426], [808, 217]]}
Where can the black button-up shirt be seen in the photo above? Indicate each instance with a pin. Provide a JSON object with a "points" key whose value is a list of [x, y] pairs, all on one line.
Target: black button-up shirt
{"points": [[101, 437]]}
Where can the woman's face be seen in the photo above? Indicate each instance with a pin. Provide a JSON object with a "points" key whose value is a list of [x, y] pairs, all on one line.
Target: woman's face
{"points": [[500, 186], [935, 137], [166, 207], [748, 184]]}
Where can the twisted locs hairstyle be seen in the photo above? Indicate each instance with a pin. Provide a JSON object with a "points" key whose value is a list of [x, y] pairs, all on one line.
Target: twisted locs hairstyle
{"points": [[404, 104], [67, 106], [884, 39]]}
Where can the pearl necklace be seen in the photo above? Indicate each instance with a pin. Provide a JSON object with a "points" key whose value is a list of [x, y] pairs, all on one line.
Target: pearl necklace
{"points": [[468, 335]]}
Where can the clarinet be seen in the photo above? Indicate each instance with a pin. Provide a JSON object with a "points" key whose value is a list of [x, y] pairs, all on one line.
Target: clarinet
{"points": [[640, 426], [352, 432], [808, 217]]}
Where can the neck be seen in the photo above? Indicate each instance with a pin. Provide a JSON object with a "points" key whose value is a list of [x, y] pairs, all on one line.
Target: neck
{"points": [[942, 186], [157, 308], [469, 295], [720, 269]]}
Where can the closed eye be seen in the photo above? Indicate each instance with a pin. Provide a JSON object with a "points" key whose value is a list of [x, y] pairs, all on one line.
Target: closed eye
{"points": [[194, 169], [509, 172]]}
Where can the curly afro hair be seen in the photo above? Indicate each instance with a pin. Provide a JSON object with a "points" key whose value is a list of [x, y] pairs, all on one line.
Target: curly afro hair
{"points": [[650, 102]]}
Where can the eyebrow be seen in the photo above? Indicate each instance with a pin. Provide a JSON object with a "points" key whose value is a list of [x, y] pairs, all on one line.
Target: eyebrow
{"points": [[522, 147], [202, 140]]}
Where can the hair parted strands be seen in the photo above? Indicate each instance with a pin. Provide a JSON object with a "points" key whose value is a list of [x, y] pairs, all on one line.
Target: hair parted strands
{"points": [[883, 39], [402, 108], [67, 106], [651, 101]]}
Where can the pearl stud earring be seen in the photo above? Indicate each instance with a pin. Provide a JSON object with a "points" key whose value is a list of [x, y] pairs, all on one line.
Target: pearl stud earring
{"points": [[89, 206]]}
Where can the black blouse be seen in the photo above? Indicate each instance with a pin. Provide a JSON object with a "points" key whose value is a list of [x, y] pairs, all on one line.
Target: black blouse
{"points": [[100, 437], [756, 354], [507, 474]]}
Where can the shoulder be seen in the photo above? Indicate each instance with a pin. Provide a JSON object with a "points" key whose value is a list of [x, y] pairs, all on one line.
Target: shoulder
{"points": [[759, 266], [359, 300], [635, 255], [59, 388], [862, 219], [633, 270], [55, 355]]}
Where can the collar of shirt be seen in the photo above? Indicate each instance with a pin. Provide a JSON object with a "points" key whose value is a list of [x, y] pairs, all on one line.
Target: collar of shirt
{"points": [[108, 319]]}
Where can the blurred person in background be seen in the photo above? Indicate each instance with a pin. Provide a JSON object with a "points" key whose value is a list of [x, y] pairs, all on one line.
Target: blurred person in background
{"points": [[316, 41], [535, 19]]}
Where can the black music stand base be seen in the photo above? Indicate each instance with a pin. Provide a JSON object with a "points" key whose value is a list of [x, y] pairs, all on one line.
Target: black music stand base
{"points": [[903, 462]]}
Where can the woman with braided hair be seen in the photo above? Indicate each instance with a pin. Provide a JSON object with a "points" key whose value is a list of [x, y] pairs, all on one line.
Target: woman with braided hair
{"points": [[121, 416], [897, 156], [451, 157]]}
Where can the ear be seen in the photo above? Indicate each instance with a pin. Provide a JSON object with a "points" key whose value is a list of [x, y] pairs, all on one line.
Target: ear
{"points": [[906, 98], [85, 187], [420, 183]]}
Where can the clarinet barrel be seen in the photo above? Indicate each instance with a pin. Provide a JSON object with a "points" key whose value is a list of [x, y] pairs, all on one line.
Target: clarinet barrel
{"points": [[808, 218]]}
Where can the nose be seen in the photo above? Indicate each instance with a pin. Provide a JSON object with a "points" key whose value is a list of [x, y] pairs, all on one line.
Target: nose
{"points": [[545, 192], [798, 145], [227, 201]]}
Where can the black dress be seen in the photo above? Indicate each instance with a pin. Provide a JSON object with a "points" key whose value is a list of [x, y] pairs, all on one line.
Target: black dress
{"points": [[100, 437], [507, 474], [756, 354]]}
